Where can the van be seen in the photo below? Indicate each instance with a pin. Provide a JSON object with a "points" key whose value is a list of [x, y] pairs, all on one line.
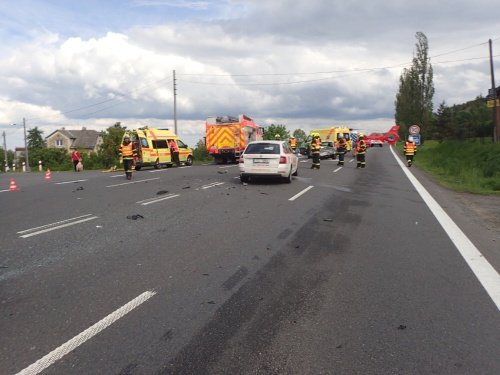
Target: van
{"points": [[152, 148]]}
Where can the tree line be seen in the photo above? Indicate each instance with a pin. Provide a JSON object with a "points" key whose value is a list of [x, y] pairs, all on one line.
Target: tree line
{"points": [[413, 105]]}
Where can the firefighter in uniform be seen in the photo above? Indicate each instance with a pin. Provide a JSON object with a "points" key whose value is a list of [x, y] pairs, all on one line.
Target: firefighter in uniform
{"points": [[341, 150], [315, 151], [127, 155], [293, 144], [361, 152], [410, 149]]}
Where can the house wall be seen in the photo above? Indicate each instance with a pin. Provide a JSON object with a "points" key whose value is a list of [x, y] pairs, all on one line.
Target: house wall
{"points": [[54, 138]]}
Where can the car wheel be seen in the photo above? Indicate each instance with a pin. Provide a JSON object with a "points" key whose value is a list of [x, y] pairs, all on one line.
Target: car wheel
{"points": [[296, 173], [289, 178], [244, 179], [157, 164], [189, 161], [138, 168]]}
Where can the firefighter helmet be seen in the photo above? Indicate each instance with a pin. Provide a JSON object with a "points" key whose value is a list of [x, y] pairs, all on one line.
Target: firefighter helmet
{"points": [[277, 137]]}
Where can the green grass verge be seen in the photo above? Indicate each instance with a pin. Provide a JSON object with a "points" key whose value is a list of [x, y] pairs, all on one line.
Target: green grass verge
{"points": [[465, 166]]}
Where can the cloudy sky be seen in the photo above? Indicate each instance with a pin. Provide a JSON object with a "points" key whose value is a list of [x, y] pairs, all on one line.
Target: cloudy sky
{"points": [[303, 63]]}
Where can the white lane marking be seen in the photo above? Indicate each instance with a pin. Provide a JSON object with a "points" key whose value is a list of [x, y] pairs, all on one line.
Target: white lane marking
{"points": [[70, 182], [1, 191], [116, 175], [302, 192], [156, 200], [157, 170], [57, 227], [350, 161], [338, 169], [229, 166], [86, 335], [484, 271], [49, 225], [133, 182], [213, 184], [304, 161]]}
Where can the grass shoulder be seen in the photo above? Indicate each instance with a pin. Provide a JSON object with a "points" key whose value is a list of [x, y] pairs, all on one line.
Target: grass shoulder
{"points": [[468, 166]]}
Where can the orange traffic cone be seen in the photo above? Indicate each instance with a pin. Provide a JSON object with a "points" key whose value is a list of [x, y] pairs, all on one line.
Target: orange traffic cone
{"points": [[47, 175], [13, 186]]}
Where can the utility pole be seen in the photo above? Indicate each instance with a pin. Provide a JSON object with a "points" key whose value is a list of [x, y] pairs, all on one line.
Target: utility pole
{"points": [[175, 105], [26, 147], [5, 151], [496, 123]]}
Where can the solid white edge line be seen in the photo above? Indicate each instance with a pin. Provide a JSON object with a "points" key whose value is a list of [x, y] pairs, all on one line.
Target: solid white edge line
{"points": [[302, 192], [86, 335], [160, 199], [58, 227], [70, 182], [134, 182], [49, 225], [484, 271]]}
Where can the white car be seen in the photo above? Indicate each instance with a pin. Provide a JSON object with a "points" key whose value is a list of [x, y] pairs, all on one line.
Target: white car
{"points": [[268, 159]]}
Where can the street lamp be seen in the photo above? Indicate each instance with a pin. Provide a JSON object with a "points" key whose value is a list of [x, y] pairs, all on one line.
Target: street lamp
{"points": [[25, 146]]}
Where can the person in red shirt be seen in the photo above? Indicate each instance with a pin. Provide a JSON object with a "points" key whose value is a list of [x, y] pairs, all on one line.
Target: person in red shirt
{"points": [[174, 152], [75, 158]]}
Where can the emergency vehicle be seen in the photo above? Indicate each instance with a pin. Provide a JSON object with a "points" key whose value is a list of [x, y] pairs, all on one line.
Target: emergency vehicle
{"points": [[152, 148], [331, 134], [227, 136]]}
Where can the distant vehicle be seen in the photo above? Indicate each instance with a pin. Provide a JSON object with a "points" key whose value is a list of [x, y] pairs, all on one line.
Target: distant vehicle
{"points": [[268, 159], [152, 148], [327, 150], [375, 142], [330, 134], [227, 136]]}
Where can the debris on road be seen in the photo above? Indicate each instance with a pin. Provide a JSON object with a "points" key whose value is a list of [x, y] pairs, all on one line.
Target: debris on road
{"points": [[162, 192], [402, 326], [135, 217]]}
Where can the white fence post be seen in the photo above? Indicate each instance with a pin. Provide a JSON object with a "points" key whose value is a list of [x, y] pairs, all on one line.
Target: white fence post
{"points": [[40, 165]]}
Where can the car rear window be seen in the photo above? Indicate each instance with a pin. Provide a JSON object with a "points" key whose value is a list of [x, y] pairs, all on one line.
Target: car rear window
{"points": [[263, 148]]}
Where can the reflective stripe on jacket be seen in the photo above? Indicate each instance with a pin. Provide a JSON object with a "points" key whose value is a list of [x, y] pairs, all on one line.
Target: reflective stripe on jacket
{"points": [[410, 148], [361, 149], [316, 146], [127, 151]]}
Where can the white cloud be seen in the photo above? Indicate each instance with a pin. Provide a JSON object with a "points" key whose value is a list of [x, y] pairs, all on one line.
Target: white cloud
{"points": [[304, 64]]}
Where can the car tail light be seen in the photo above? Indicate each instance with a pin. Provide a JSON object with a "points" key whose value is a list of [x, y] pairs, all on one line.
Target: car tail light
{"points": [[282, 159]]}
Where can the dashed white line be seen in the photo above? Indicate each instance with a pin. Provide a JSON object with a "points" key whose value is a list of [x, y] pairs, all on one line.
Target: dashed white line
{"points": [[484, 271], [134, 182], [86, 335], [338, 169], [156, 200], [70, 182], [57, 225], [213, 184], [302, 192]]}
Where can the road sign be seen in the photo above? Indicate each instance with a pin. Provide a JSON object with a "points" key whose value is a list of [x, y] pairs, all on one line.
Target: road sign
{"points": [[415, 138], [491, 105], [414, 129]]}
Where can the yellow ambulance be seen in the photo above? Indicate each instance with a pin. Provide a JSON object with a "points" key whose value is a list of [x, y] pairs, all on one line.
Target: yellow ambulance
{"points": [[153, 149]]}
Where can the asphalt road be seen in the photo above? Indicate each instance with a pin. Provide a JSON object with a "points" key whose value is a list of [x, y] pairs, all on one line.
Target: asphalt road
{"points": [[188, 271]]}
